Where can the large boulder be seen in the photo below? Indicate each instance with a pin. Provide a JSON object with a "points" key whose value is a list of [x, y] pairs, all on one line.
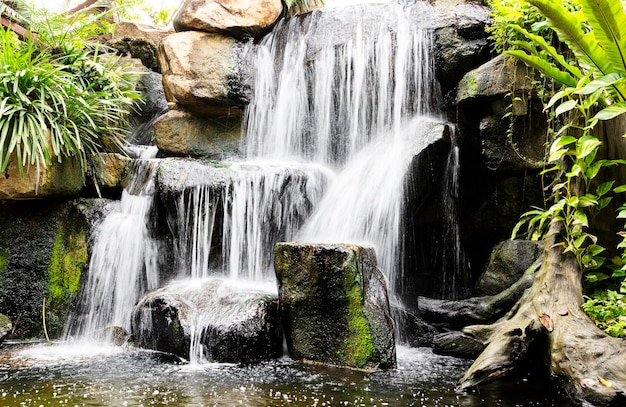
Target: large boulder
{"points": [[199, 70], [57, 180], [110, 170], [183, 133], [239, 18], [516, 145], [497, 77], [507, 263], [461, 40], [216, 319], [334, 305], [150, 33]]}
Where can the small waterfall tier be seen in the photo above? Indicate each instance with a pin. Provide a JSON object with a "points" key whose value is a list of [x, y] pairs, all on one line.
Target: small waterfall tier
{"points": [[226, 219], [123, 261], [212, 319]]}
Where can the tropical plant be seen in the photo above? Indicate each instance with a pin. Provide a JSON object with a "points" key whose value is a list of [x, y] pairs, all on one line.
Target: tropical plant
{"points": [[593, 88], [15, 11], [60, 97]]}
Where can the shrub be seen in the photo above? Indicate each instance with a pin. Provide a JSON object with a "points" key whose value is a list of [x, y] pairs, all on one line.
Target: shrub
{"points": [[68, 100]]}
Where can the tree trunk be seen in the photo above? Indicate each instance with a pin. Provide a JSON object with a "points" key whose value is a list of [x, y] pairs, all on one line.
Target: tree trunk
{"points": [[548, 328]]}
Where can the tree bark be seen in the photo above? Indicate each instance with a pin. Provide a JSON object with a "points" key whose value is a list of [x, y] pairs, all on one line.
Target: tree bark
{"points": [[476, 310], [548, 327]]}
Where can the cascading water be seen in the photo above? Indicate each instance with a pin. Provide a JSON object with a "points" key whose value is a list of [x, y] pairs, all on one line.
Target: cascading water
{"points": [[123, 259], [323, 96], [354, 99], [259, 204], [350, 102]]}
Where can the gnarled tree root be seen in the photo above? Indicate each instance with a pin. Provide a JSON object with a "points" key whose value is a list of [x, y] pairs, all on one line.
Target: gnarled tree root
{"points": [[549, 328]]}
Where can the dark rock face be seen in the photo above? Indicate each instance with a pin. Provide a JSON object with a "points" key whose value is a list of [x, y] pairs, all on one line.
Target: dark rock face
{"points": [[334, 305], [502, 141], [149, 110], [210, 318], [414, 331], [507, 263], [461, 39], [140, 49], [43, 253]]}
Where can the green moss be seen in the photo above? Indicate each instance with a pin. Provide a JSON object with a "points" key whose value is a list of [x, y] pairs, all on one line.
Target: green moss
{"points": [[69, 256], [359, 347], [4, 259]]}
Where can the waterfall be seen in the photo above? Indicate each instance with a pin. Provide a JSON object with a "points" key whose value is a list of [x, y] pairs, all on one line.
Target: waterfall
{"points": [[260, 204], [123, 259], [323, 96], [354, 99], [456, 270], [334, 121]]}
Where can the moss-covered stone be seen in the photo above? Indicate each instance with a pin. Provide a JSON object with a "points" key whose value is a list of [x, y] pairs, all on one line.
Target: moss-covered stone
{"points": [[43, 250], [5, 327], [334, 305], [69, 258]]}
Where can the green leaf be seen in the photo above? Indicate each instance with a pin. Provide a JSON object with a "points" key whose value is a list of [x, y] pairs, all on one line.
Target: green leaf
{"points": [[580, 218], [601, 83], [587, 145], [608, 22], [564, 140], [565, 107], [569, 28], [604, 188], [595, 249], [611, 111], [620, 189], [604, 202], [548, 69]]}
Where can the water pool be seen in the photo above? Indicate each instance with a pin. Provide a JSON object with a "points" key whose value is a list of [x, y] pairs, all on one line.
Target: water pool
{"points": [[78, 375]]}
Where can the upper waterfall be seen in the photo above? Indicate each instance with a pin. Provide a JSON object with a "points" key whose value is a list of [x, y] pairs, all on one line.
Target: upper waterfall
{"points": [[329, 83]]}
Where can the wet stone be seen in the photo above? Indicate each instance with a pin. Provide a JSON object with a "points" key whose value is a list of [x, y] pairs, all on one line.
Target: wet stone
{"points": [[334, 305], [214, 319]]}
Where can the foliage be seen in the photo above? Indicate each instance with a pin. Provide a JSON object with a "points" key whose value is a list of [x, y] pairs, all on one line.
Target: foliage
{"points": [[162, 16], [60, 95], [506, 15], [593, 88], [15, 11], [294, 6], [608, 311]]}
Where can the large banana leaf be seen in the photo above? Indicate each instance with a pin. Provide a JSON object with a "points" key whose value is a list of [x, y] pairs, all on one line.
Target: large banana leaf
{"points": [[548, 69], [588, 46], [569, 28], [607, 18]]}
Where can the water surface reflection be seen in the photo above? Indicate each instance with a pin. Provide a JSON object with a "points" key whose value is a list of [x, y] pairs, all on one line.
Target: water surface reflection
{"points": [[73, 375]]}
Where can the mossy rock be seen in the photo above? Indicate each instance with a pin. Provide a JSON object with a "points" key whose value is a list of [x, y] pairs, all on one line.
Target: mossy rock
{"points": [[43, 253], [5, 327], [334, 305]]}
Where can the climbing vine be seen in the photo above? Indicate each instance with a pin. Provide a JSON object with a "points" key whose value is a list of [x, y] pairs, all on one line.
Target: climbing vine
{"points": [[588, 66]]}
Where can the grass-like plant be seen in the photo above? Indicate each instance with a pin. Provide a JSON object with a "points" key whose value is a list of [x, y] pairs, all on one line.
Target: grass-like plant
{"points": [[60, 96]]}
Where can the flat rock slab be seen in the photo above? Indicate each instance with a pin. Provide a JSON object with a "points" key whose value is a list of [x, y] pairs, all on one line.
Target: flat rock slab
{"points": [[334, 305]]}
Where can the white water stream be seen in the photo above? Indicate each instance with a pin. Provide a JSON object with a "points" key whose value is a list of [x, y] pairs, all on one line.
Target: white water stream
{"points": [[123, 261], [334, 121]]}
